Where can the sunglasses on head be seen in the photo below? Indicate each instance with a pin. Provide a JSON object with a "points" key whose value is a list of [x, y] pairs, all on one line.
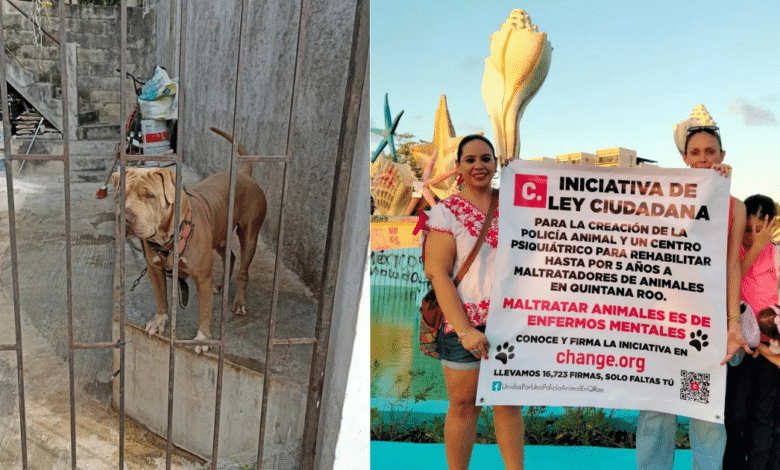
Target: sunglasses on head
{"points": [[708, 129]]}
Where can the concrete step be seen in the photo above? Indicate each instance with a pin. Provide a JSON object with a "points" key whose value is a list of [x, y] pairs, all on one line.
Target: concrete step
{"points": [[51, 144], [146, 398], [46, 144], [88, 116], [90, 163], [99, 131], [85, 155], [103, 147], [92, 155]]}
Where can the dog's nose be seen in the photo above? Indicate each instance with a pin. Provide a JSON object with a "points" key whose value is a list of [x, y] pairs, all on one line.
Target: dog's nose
{"points": [[129, 215]]}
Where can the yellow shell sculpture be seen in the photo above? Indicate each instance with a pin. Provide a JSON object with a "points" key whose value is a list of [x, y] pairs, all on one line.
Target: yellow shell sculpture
{"points": [[391, 186], [518, 64]]}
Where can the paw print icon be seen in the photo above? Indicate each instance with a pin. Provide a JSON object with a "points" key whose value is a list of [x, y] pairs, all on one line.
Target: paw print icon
{"points": [[504, 352], [698, 340]]}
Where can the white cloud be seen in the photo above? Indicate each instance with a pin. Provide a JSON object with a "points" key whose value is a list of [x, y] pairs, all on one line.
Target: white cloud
{"points": [[751, 115]]}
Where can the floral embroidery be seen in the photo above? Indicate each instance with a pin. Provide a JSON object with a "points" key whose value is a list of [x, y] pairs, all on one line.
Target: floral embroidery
{"points": [[472, 218], [477, 314]]}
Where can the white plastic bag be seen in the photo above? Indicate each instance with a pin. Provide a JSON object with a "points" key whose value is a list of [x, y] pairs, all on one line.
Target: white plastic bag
{"points": [[158, 98], [159, 86], [164, 108]]}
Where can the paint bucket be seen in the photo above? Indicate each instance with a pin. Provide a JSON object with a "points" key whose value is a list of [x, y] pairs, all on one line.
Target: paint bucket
{"points": [[154, 136]]}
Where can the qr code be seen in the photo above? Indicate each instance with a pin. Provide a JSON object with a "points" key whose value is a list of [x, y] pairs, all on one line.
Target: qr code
{"points": [[694, 386]]}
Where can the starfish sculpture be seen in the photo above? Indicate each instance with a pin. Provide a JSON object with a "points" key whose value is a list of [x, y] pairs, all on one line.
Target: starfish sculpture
{"points": [[387, 133], [422, 187], [446, 143]]}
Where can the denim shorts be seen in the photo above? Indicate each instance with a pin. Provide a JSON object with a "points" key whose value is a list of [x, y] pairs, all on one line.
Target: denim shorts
{"points": [[451, 352]]}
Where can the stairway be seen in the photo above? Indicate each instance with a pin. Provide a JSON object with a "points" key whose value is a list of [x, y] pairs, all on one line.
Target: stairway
{"points": [[40, 95], [97, 141]]}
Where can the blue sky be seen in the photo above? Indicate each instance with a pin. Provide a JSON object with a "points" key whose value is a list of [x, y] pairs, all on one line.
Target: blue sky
{"points": [[622, 74]]}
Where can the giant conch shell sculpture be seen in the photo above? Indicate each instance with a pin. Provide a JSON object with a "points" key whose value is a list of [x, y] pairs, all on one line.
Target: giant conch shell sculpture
{"points": [[518, 64], [699, 117]]}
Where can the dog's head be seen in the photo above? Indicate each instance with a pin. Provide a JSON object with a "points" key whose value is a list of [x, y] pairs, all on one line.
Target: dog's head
{"points": [[149, 200]]}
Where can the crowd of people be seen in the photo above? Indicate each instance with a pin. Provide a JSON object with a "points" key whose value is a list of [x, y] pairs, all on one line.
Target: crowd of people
{"points": [[750, 436]]}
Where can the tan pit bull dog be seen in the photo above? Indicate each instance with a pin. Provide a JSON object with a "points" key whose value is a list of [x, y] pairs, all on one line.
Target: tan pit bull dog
{"points": [[150, 194]]}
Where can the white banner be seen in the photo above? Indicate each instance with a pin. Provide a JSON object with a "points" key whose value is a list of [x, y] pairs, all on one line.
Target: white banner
{"points": [[609, 290]]}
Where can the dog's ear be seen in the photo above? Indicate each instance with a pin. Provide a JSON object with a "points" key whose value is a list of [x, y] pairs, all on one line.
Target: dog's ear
{"points": [[115, 181], [169, 190], [169, 184]]}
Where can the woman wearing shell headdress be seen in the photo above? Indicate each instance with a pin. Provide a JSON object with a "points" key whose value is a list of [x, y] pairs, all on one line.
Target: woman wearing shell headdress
{"points": [[698, 140]]}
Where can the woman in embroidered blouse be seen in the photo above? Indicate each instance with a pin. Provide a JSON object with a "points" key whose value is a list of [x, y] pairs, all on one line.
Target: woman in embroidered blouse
{"points": [[452, 230]]}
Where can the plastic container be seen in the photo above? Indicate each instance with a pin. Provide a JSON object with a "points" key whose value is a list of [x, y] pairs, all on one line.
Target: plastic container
{"points": [[154, 137]]}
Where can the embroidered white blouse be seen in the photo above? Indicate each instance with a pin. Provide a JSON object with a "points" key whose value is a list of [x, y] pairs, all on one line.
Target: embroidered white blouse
{"points": [[463, 220]]}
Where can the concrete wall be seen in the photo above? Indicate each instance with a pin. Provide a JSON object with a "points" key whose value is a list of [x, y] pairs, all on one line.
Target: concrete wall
{"points": [[282, 109], [276, 101], [307, 97], [146, 393], [336, 421], [95, 31]]}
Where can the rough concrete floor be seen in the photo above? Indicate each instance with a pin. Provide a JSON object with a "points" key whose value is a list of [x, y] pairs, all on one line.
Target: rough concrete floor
{"points": [[39, 209]]}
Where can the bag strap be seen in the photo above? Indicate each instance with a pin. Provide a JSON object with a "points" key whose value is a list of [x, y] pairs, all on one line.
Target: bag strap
{"points": [[482, 234]]}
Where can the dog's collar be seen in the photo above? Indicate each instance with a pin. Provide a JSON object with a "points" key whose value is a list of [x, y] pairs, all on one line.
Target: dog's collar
{"points": [[203, 204], [166, 250], [185, 230]]}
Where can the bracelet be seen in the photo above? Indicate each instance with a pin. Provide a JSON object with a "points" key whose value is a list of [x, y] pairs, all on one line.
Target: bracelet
{"points": [[735, 317], [462, 336]]}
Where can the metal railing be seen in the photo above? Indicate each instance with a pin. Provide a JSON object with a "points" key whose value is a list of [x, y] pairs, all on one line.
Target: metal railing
{"points": [[309, 438]]}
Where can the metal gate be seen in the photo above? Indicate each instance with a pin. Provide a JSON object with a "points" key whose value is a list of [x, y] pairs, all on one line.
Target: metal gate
{"points": [[324, 311]]}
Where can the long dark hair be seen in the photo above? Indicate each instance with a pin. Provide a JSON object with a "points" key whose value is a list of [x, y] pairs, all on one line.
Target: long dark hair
{"points": [[471, 137]]}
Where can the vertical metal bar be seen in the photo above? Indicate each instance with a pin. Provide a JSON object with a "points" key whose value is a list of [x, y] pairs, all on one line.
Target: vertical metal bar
{"points": [[68, 248], [302, 14], [13, 247], [228, 242], [272, 320], [123, 224], [174, 311], [176, 206]]}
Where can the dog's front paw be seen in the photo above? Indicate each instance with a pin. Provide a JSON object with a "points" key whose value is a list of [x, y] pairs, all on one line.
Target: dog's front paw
{"points": [[157, 324], [239, 308], [200, 337]]}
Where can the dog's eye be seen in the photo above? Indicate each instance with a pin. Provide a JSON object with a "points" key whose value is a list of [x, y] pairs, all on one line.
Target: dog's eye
{"points": [[149, 196]]}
